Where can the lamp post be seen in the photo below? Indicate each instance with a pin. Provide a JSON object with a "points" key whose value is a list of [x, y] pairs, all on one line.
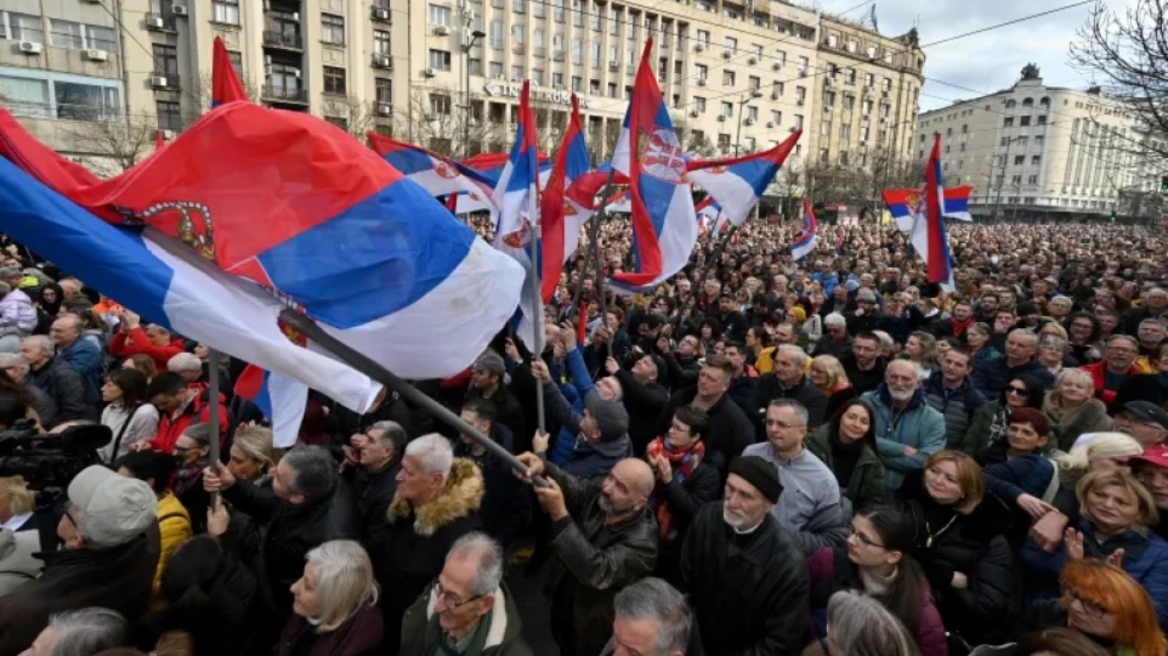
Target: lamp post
{"points": [[471, 38]]}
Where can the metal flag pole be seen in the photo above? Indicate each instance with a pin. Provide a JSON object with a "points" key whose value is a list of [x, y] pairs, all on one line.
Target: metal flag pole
{"points": [[594, 229], [407, 391], [537, 309], [213, 393]]}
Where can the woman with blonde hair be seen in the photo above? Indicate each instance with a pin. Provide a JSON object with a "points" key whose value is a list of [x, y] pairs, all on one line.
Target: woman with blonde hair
{"points": [[827, 374], [1052, 353], [253, 456], [1100, 601], [1073, 409], [1117, 511], [334, 606], [16, 504]]}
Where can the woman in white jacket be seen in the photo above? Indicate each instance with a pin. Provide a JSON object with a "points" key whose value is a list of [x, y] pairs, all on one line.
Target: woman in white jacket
{"points": [[130, 415]]}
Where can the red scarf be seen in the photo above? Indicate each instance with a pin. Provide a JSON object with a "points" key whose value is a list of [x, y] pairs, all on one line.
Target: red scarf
{"points": [[960, 326], [683, 463]]}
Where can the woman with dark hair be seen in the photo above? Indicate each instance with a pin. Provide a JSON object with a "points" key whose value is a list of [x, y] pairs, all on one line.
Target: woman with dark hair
{"points": [[48, 301], [876, 561], [1023, 476], [847, 445], [989, 422], [129, 415], [962, 545], [142, 363], [209, 597], [1083, 331]]}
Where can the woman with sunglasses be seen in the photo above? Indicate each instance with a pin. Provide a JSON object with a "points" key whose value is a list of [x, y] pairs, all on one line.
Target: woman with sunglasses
{"points": [[1101, 602], [990, 422], [876, 561], [1117, 513], [192, 452]]}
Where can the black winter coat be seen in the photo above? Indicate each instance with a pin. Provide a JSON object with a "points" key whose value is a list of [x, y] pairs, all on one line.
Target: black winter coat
{"points": [[684, 500], [750, 593], [976, 546], [992, 376], [66, 388], [644, 403], [287, 533], [769, 389], [372, 492], [730, 430], [409, 550], [506, 505], [119, 578]]}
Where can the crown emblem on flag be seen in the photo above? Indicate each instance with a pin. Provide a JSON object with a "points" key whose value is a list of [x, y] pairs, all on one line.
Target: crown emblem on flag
{"points": [[192, 224], [913, 201], [444, 170], [661, 155], [718, 170], [520, 238]]}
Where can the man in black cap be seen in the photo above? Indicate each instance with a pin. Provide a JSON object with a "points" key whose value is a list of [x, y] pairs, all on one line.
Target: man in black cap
{"points": [[1143, 420], [487, 382], [746, 577], [644, 396]]}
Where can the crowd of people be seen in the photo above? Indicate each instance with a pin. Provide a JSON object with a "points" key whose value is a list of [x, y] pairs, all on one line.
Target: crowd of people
{"points": [[762, 457]]}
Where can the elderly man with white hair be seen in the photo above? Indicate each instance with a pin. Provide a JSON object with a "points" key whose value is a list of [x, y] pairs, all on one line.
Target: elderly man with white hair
{"points": [[18, 370], [187, 365], [57, 379], [81, 633], [908, 430], [436, 503], [468, 609], [835, 341]]}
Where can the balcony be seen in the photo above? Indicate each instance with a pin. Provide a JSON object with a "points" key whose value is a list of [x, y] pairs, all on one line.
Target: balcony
{"points": [[283, 40], [160, 22], [284, 95]]}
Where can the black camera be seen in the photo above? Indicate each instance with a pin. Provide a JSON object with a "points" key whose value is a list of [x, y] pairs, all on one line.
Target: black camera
{"points": [[50, 460]]}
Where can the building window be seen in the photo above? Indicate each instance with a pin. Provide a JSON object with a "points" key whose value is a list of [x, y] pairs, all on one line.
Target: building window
{"points": [[517, 73], [383, 87], [724, 142], [1032, 180], [1008, 122], [776, 117], [846, 131], [728, 78], [440, 60], [703, 71], [829, 100], [1036, 160], [22, 27], [225, 11], [731, 45], [752, 113], [756, 49], [1042, 120], [801, 94], [825, 128], [496, 69], [87, 102], [25, 97], [236, 59], [332, 29], [334, 80], [755, 83], [519, 6], [1019, 160], [381, 42], [537, 77], [704, 37], [1024, 121], [496, 34], [727, 109], [577, 84], [700, 104], [78, 36], [439, 15], [165, 60], [440, 104], [798, 121], [169, 117]]}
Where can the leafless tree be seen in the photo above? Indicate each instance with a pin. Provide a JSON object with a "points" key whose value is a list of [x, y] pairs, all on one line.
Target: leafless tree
{"points": [[431, 119], [196, 96], [112, 146], [859, 184], [1125, 49], [349, 114]]}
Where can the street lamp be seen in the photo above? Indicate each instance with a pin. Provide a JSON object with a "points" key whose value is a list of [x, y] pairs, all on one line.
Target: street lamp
{"points": [[474, 35], [754, 93]]}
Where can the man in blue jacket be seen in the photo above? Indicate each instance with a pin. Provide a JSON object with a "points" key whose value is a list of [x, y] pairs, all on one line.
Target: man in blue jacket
{"points": [[908, 431], [83, 355]]}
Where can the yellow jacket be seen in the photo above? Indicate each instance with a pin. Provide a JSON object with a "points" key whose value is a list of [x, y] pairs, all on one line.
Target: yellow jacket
{"points": [[174, 526], [765, 362]]}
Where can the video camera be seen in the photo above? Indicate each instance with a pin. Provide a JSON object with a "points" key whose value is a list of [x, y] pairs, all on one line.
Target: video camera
{"points": [[50, 460]]}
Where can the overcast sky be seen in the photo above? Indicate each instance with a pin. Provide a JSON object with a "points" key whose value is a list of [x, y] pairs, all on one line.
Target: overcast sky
{"points": [[983, 62]]}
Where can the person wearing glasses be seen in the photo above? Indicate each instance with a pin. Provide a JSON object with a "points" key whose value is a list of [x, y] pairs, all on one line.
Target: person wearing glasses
{"points": [[468, 609], [192, 454], [334, 605], [876, 561], [1101, 602], [990, 421], [1118, 364], [1117, 513], [1143, 420]]}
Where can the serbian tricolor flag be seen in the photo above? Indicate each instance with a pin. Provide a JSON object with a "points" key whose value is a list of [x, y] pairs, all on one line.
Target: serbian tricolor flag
{"points": [[561, 217], [225, 84], [805, 244], [621, 202], [441, 176], [491, 166], [738, 183], [309, 217], [706, 212], [517, 197], [282, 399], [905, 204], [929, 234], [649, 153]]}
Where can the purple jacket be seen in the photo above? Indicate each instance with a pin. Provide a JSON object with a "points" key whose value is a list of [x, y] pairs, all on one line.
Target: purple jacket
{"points": [[17, 315], [825, 581]]}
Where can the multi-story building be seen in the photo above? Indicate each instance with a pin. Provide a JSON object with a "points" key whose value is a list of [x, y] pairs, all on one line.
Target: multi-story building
{"points": [[738, 75], [867, 93], [1038, 150]]}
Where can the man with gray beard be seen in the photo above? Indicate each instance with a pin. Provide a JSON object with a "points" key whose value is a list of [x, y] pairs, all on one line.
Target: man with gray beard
{"points": [[604, 537], [744, 574]]}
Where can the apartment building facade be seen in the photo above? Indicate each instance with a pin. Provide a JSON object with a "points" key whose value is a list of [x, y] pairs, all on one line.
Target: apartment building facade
{"points": [[1039, 150], [738, 75]]}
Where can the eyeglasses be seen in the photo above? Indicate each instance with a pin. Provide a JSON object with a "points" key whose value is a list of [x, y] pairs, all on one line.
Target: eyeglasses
{"points": [[1020, 391], [452, 602], [1094, 610], [865, 541]]}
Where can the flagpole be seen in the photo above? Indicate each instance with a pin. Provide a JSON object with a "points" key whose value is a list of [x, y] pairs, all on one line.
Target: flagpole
{"points": [[595, 248], [537, 309], [213, 394], [365, 365]]}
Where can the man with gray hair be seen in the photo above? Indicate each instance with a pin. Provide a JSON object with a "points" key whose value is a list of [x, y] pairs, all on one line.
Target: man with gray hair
{"points": [[18, 371], [308, 504], [436, 503], [187, 365], [908, 430], [468, 609], [788, 381], [53, 375], [373, 461], [81, 633], [652, 619], [83, 355], [835, 341]]}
